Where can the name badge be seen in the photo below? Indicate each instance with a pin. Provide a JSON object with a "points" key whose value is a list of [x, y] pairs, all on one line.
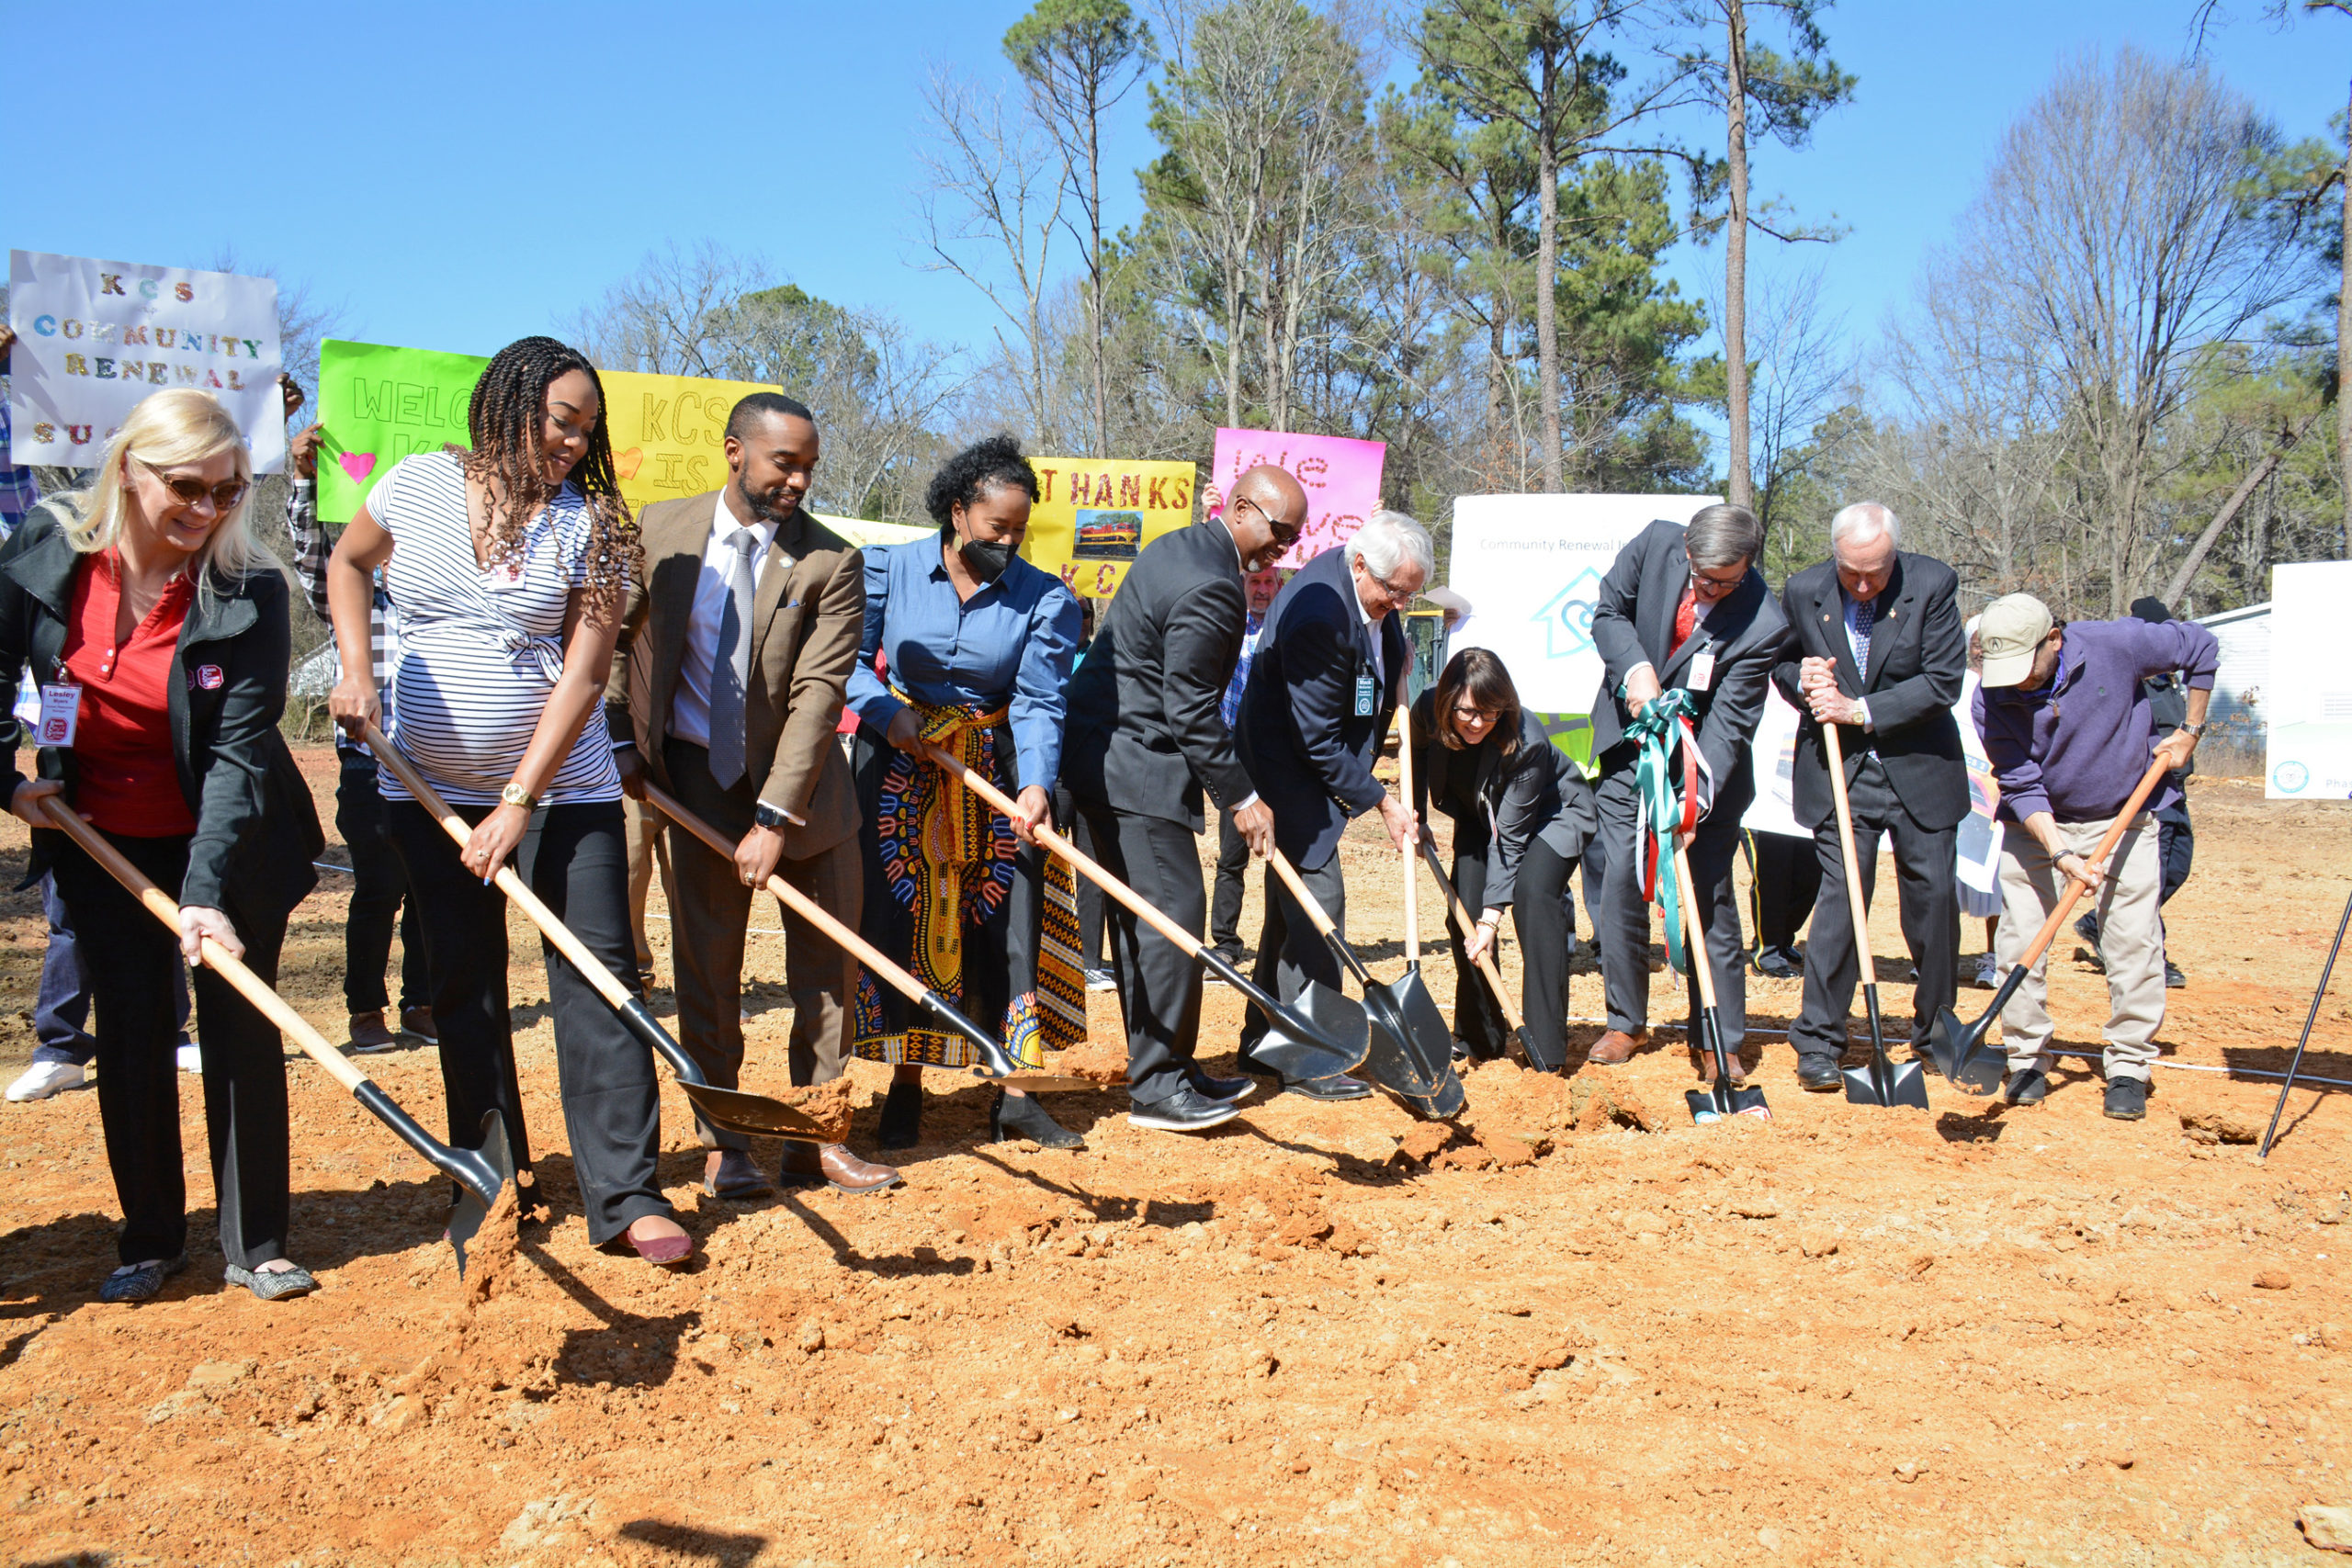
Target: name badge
{"points": [[1702, 670], [61, 713], [1364, 696]]}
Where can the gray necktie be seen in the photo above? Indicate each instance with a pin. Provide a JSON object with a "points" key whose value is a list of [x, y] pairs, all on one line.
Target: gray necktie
{"points": [[730, 664]]}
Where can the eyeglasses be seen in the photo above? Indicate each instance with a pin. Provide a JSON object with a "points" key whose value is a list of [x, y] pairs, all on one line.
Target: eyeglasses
{"points": [[1396, 595], [1464, 714], [1720, 584], [225, 495]]}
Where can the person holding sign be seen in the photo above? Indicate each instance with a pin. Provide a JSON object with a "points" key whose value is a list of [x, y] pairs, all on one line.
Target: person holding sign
{"points": [[1146, 741], [1876, 644], [980, 645], [508, 566], [1328, 676], [158, 630], [1680, 607]]}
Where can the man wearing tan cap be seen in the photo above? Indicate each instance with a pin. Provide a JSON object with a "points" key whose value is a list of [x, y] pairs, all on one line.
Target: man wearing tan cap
{"points": [[2068, 731]]}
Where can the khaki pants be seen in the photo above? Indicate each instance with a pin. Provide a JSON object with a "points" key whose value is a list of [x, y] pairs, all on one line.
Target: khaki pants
{"points": [[2130, 942], [644, 826]]}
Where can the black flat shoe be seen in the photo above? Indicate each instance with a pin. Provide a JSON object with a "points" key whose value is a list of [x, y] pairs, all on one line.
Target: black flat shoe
{"points": [[901, 1117], [1336, 1086], [1020, 1116], [1183, 1112], [1224, 1091]]}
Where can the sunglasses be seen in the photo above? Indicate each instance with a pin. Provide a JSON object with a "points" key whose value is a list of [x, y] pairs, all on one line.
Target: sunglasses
{"points": [[225, 495]]}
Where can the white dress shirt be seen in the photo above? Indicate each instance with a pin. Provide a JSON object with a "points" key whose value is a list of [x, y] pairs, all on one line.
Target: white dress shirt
{"points": [[690, 704]]}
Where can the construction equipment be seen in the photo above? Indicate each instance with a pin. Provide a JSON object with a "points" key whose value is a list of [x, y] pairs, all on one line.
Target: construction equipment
{"points": [[479, 1172], [1882, 1082], [1724, 1096]]}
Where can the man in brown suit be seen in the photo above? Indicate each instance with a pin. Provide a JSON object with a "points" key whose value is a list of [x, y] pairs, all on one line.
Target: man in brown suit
{"points": [[741, 630]]}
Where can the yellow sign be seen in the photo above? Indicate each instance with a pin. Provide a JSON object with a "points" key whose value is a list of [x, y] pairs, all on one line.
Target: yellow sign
{"points": [[1093, 516]]}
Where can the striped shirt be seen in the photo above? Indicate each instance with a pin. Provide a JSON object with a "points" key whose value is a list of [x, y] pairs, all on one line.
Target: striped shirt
{"points": [[480, 650]]}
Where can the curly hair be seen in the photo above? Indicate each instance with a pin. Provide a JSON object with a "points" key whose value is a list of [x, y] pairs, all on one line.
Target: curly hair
{"points": [[504, 419], [965, 478]]}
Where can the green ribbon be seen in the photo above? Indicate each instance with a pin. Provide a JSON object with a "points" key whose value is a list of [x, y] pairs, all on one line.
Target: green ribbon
{"points": [[1664, 720]]}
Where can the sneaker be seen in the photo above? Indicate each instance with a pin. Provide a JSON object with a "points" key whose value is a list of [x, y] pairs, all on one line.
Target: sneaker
{"points": [[2029, 1086], [1988, 973], [419, 1023], [368, 1033], [191, 1058], [2127, 1099], [1183, 1112], [1101, 980], [2088, 928], [44, 1078], [2173, 978]]}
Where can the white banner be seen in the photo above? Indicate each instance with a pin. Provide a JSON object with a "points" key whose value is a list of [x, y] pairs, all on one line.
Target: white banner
{"points": [[1773, 759], [94, 337], [2309, 697]]}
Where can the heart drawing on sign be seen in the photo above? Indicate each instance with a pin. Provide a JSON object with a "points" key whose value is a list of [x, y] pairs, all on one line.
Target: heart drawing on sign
{"points": [[358, 465], [625, 464]]}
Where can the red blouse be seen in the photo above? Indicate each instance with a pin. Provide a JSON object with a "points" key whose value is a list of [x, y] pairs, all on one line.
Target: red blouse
{"points": [[126, 780]]}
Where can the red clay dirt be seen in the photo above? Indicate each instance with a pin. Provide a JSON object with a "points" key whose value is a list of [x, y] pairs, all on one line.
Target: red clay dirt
{"points": [[1573, 1329]]}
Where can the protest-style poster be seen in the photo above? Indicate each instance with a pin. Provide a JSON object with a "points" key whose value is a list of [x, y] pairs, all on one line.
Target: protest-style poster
{"points": [[94, 337], [377, 403], [1530, 566], [1094, 515], [2308, 698], [1340, 475]]}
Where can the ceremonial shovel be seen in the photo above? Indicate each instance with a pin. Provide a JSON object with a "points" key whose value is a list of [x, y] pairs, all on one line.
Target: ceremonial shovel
{"points": [[1486, 959], [2326, 972], [729, 1109], [1959, 1052], [1003, 1068], [478, 1172], [1722, 1098], [1881, 1082]]}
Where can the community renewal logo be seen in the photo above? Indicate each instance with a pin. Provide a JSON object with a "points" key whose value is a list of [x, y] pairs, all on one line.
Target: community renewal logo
{"points": [[1566, 616], [2291, 777]]}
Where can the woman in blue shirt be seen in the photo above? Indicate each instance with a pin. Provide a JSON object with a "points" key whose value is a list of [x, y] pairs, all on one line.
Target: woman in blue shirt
{"points": [[979, 643]]}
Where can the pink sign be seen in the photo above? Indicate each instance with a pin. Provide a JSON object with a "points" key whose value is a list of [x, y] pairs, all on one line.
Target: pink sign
{"points": [[1341, 477]]}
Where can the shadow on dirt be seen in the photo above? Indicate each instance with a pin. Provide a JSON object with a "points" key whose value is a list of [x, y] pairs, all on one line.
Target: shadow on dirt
{"points": [[684, 1541]]}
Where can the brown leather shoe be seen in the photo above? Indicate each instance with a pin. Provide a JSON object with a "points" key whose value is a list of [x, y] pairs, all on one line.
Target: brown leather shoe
{"points": [[1704, 1064], [369, 1032], [731, 1174], [419, 1023], [805, 1165], [1616, 1047]]}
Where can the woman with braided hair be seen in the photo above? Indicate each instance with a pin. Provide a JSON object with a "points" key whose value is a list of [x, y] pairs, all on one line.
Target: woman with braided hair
{"points": [[508, 564], [979, 643]]}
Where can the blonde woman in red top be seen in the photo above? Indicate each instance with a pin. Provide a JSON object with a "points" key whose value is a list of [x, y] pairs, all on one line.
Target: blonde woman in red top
{"points": [[158, 630]]}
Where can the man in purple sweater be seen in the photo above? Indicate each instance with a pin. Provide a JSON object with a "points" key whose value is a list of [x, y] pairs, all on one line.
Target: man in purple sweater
{"points": [[2068, 731]]}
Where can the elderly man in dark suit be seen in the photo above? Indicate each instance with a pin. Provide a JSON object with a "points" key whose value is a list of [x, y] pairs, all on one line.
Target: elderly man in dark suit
{"points": [[1327, 681], [1876, 646], [1683, 608], [741, 632], [1146, 739]]}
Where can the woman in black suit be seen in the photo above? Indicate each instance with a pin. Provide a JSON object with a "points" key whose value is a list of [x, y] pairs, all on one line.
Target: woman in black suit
{"points": [[1521, 813]]}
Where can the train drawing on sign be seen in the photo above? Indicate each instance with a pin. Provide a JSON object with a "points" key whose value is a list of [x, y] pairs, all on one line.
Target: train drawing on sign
{"points": [[1108, 536]]}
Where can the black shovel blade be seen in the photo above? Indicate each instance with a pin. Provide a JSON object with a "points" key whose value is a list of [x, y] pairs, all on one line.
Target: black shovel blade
{"points": [[1714, 1104], [1884, 1082], [1331, 1019], [754, 1115], [481, 1172], [1958, 1051], [1404, 1010]]}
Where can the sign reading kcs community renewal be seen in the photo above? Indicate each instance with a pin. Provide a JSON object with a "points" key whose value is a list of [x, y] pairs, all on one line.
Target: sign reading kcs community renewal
{"points": [[378, 404]]}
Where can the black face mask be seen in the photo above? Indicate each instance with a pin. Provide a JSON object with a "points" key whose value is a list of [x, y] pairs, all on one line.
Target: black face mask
{"points": [[986, 559]]}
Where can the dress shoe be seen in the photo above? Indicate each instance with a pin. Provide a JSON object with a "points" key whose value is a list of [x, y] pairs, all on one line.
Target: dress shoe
{"points": [[2088, 928], [367, 1033], [1020, 1116], [419, 1023], [805, 1165], [2028, 1087], [2127, 1099], [2174, 980], [1225, 1091], [901, 1117], [1819, 1075], [1616, 1047], [1183, 1112], [1778, 964], [663, 1251], [1336, 1086], [1704, 1064], [732, 1175]]}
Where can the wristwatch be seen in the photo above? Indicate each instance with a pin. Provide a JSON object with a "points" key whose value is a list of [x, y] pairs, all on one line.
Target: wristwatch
{"points": [[515, 795], [774, 819], [2193, 730]]}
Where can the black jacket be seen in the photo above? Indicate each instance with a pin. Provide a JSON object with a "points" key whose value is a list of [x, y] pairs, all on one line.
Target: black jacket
{"points": [[1497, 806], [1308, 750], [257, 828], [1919, 658], [1144, 735], [1633, 622]]}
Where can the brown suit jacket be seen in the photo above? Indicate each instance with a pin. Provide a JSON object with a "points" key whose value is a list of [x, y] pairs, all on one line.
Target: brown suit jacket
{"points": [[808, 619]]}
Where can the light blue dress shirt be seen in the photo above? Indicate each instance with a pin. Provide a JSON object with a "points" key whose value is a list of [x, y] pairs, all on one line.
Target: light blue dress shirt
{"points": [[1011, 645]]}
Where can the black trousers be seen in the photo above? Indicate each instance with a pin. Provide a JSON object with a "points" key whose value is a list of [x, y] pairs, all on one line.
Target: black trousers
{"points": [[1788, 878], [1543, 913], [379, 892], [1290, 953], [2175, 847], [1072, 821], [576, 859], [1232, 878], [1159, 986], [1930, 904], [134, 970], [1622, 924]]}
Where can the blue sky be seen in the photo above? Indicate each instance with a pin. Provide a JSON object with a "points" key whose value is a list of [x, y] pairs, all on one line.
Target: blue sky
{"points": [[466, 175]]}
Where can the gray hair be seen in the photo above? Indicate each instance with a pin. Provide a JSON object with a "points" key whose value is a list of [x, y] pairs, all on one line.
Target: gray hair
{"points": [[1722, 536], [1867, 518], [1387, 540]]}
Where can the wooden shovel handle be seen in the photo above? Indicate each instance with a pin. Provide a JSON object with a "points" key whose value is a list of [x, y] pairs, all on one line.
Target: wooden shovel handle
{"points": [[1307, 901], [1695, 929], [1412, 879], [2075, 890], [1462, 917], [1853, 863], [954, 766], [509, 882], [218, 958]]}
